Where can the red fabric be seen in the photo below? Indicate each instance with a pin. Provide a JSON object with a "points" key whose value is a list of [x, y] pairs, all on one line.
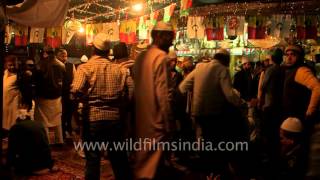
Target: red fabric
{"points": [[20, 40]]}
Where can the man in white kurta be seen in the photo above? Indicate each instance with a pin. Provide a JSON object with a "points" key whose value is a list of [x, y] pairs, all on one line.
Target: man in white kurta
{"points": [[152, 102], [11, 93]]}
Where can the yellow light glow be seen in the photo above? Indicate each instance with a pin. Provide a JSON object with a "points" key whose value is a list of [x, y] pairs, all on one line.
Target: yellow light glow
{"points": [[137, 7], [81, 30]]}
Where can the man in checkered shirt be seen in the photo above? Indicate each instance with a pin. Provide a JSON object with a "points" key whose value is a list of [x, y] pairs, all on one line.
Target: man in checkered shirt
{"points": [[106, 88]]}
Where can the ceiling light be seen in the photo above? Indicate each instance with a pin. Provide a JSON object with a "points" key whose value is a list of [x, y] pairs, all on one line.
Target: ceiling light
{"points": [[137, 7], [81, 30]]}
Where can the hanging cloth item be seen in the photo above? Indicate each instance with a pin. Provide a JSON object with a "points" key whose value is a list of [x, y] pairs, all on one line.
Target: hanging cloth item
{"points": [[232, 26], [301, 28], [240, 27], [20, 35], [91, 31], [112, 30], [185, 5], [128, 31], [218, 31], [143, 28], [36, 35], [252, 22], [311, 27], [7, 35], [168, 11], [285, 33], [67, 35], [261, 27], [195, 27], [54, 37], [276, 26]]}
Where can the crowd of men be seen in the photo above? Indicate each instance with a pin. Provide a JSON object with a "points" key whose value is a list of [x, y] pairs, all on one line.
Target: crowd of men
{"points": [[153, 100]]}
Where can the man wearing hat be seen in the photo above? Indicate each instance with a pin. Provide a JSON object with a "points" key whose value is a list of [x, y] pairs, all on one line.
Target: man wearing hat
{"points": [[214, 105], [106, 87], [291, 149], [151, 79], [301, 88], [244, 81]]}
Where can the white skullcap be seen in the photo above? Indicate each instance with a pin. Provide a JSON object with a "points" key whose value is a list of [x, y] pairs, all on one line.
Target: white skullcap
{"points": [[244, 60], [101, 41], [84, 58], [292, 124], [162, 26]]}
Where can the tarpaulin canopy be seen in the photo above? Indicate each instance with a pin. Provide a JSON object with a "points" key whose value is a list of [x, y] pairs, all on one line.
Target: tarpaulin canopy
{"points": [[39, 13]]}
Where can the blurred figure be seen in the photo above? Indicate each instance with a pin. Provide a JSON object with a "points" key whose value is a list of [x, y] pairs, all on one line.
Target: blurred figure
{"points": [[28, 148], [153, 120], [50, 78], [270, 104], [68, 106], [215, 107], [121, 56], [11, 93], [244, 82], [26, 83]]}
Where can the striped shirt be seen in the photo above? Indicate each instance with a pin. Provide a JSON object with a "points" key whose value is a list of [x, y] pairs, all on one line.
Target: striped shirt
{"points": [[106, 85]]}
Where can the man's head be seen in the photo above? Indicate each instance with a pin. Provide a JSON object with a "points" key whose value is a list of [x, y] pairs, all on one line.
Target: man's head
{"points": [[294, 55], [245, 63], [290, 133], [162, 35], [48, 52], [101, 44], [172, 60], [223, 56], [11, 63], [29, 64], [266, 61], [277, 56], [62, 55]]}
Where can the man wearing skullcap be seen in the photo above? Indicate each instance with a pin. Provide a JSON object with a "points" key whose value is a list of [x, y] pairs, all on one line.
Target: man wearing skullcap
{"points": [[106, 88], [151, 81], [291, 162]]}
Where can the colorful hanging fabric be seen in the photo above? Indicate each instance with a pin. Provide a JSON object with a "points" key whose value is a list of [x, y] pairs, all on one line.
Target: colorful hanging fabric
{"points": [[128, 31], [20, 35], [185, 5], [168, 11], [285, 32], [217, 28], [232, 25], [91, 31], [36, 35], [252, 22], [7, 35], [112, 29], [311, 27], [301, 28], [54, 36], [240, 27], [154, 18], [276, 25], [261, 27], [195, 27], [143, 28], [67, 35]]}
